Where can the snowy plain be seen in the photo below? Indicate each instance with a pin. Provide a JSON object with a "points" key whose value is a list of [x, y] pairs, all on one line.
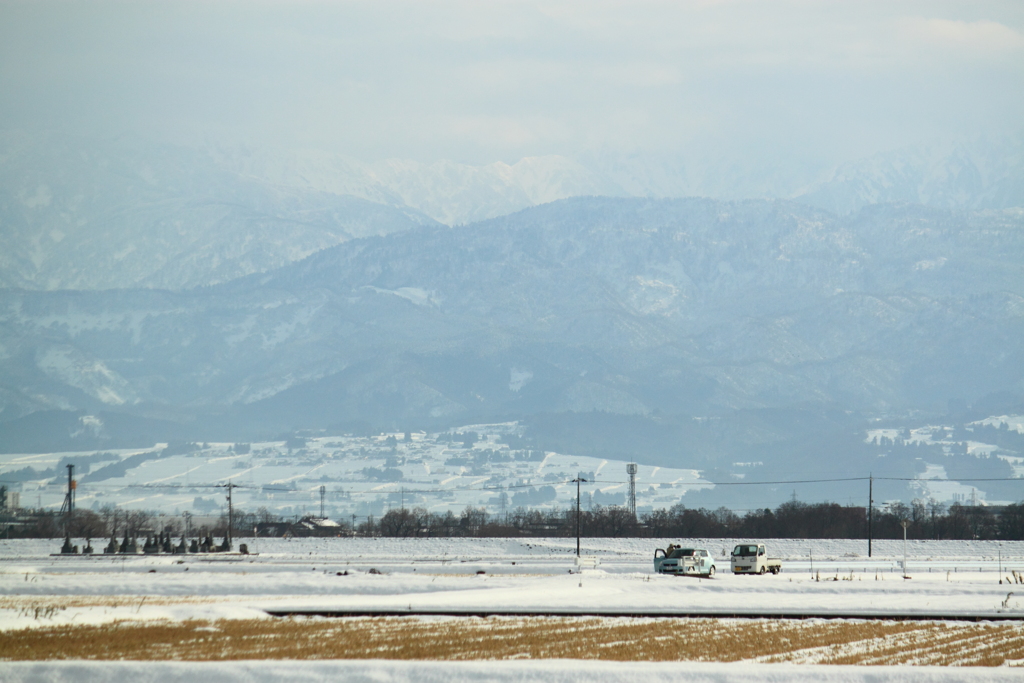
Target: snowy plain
{"points": [[440, 575], [490, 575], [550, 671]]}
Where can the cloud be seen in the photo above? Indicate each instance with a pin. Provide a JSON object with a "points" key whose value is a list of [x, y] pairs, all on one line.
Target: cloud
{"points": [[982, 37], [482, 82]]}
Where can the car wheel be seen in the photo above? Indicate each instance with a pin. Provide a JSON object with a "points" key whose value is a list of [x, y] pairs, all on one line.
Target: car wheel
{"points": [[761, 571], [711, 572]]}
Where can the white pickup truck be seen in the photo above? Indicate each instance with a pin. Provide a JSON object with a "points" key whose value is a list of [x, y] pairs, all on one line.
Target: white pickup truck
{"points": [[684, 561], [752, 558]]}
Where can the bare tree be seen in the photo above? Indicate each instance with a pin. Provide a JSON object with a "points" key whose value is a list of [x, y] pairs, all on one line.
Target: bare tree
{"points": [[136, 521], [87, 524], [402, 522]]}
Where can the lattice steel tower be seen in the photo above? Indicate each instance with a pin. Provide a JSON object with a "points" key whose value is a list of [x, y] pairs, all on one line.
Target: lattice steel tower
{"points": [[631, 469]]}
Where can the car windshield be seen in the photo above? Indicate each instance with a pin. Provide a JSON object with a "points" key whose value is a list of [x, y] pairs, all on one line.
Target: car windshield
{"points": [[745, 550], [683, 552]]}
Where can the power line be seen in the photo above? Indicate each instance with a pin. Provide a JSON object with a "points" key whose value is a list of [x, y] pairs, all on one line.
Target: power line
{"points": [[533, 485], [277, 489], [698, 482], [817, 481]]}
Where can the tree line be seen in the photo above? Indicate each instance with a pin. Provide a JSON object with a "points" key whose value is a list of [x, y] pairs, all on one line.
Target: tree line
{"points": [[792, 519]]}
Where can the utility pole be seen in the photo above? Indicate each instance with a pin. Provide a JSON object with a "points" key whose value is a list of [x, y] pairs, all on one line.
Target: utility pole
{"points": [[231, 514], [68, 508], [905, 523], [323, 490], [871, 504], [578, 479]]}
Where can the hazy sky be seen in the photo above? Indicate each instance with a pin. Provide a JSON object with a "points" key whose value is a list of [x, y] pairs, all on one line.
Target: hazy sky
{"points": [[488, 81]]}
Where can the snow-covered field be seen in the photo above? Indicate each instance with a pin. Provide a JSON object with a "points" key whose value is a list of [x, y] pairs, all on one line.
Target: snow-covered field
{"points": [[550, 671], [493, 575]]}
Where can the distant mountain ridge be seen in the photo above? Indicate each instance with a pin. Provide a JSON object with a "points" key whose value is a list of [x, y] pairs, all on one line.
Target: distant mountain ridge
{"points": [[979, 174], [95, 214], [81, 214], [450, 192], [983, 174], [628, 306]]}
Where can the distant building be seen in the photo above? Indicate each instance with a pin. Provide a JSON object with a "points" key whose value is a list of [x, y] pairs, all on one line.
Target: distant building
{"points": [[9, 500], [305, 527]]}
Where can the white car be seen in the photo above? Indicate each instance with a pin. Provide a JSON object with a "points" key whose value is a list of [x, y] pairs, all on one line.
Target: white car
{"points": [[684, 561]]}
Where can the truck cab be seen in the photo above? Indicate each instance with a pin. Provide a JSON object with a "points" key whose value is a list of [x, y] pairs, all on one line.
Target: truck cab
{"points": [[752, 558]]}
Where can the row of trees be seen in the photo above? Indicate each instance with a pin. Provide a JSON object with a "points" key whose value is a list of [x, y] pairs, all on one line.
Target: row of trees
{"points": [[111, 521], [793, 519]]}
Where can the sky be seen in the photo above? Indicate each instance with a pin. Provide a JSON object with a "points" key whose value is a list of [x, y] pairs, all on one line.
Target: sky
{"points": [[478, 82]]}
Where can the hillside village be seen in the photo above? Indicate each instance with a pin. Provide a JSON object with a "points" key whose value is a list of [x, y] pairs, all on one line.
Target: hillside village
{"points": [[479, 466], [361, 476]]}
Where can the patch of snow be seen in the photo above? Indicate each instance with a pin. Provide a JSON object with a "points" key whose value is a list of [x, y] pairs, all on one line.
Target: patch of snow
{"points": [[1013, 422], [874, 436], [518, 379], [420, 297], [931, 264], [519, 671]]}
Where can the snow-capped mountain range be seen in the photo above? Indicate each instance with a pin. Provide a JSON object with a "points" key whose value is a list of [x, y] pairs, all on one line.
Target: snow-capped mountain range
{"points": [[81, 215], [89, 214], [631, 307], [450, 192], [250, 294], [983, 174]]}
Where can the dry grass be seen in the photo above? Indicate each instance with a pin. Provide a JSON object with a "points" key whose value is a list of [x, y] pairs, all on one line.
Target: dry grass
{"points": [[60, 602], [712, 640]]}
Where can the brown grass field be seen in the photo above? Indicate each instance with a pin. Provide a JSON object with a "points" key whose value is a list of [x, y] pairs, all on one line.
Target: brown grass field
{"points": [[618, 639]]}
